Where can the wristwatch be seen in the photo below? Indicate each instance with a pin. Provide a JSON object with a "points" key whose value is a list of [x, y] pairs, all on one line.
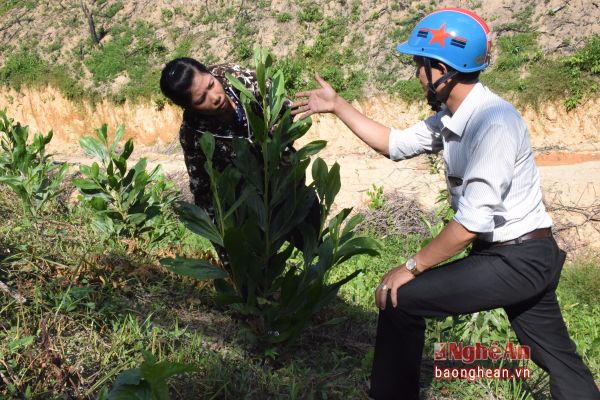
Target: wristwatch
{"points": [[411, 266]]}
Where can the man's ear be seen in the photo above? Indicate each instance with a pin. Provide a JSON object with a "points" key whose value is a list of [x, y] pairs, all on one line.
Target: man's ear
{"points": [[443, 68]]}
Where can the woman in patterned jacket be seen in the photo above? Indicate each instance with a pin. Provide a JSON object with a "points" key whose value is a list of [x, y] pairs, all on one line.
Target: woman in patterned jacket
{"points": [[212, 105]]}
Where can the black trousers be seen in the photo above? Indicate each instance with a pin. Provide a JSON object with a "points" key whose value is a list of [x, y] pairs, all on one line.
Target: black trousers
{"points": [[520, 278]]}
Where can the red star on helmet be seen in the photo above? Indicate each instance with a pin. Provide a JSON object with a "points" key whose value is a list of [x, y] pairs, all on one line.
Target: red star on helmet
{"points": [[439, 35]]}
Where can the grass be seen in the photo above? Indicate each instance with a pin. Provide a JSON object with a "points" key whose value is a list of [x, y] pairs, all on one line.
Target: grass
{"points": [[94, 306]]}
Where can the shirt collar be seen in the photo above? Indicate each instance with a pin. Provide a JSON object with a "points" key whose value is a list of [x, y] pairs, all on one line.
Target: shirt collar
{"points": [[457, 122]]}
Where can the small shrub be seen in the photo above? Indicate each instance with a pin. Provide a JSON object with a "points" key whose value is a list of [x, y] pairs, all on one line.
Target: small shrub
{"points": [[113, 9], [127, 202], [166, 14], [26, 168], [310, 13], [258, 202], [283, 17], [516, 50], [23, 68]]}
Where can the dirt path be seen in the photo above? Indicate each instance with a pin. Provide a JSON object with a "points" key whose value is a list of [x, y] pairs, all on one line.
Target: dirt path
{"points": [[571, 182]]}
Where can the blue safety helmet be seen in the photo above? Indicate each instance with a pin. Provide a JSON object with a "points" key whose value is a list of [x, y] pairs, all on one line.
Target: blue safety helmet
{"points": [[458, 38]]}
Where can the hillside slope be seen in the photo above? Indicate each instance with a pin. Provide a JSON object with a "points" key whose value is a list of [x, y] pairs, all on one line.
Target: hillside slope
{"points": [[350, 42]]}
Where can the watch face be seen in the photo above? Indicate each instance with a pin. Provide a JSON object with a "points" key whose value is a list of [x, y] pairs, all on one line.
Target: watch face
{"points": [[411, 264]]}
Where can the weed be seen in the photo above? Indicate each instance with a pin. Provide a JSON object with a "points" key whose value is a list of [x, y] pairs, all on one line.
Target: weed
{"points": [[310, 13], [376, 196], [113, 9], [283, 17], [149, 381], [166, 14]]}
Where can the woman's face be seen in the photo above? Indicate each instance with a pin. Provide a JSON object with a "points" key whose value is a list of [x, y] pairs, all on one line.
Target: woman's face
{"points": [[207, 95]]}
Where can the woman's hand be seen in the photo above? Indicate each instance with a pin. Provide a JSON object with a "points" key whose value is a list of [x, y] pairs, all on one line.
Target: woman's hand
{"points": [[320, 100], [391, 281]]}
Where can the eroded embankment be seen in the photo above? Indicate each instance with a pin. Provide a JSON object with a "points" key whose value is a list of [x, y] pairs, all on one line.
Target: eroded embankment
{"points": [[551, 126]]}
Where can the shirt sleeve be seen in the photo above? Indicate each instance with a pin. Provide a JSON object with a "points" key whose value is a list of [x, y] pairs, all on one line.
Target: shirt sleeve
{"points": [[487, 178], [423, 137]]}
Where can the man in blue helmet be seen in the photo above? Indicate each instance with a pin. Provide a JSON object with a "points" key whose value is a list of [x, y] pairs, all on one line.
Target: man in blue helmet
{"points": [[495, 191]]}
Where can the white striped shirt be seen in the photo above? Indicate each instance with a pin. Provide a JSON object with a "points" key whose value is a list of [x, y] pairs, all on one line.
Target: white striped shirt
{"points": [[490, 169]]}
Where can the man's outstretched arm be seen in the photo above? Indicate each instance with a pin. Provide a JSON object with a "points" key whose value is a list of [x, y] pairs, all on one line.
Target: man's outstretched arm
{"points": [[326, 100]]}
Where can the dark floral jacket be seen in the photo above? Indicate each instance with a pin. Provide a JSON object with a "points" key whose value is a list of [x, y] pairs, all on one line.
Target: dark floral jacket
{"points": [[195, 125]]}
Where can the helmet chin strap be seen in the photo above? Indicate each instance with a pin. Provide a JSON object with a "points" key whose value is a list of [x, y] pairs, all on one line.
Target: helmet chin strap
{"points": [[432, 95]]}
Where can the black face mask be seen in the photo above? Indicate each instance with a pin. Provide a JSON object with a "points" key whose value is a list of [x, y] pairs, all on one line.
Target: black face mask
{"points": [[433, 98]]}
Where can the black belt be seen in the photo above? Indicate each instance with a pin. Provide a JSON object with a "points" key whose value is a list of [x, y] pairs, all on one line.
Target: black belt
{"points": [[536, 234]]}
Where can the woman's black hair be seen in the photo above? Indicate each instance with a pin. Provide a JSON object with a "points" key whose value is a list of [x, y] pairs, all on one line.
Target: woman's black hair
{"points": [[176, 79]]}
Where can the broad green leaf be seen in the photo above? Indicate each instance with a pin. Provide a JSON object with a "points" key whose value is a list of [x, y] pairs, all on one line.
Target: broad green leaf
{"points": [[86, 184], [310, 149], [277, 94], [129, 377], [118, 136], [199, 269], [21, 342], [141, 165], [136, 219], [198, 221], [102, 134], [246, 163], [95, 170], [320, 175], [238, 203], [350, 225], [94, 148], [257, 124], [240, 87], [355, 246], [127, 149], [98, 203], [260, 75], [333, 184]]}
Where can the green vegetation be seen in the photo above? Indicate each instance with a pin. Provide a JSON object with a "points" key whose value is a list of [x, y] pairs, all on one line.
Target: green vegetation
{"points": [[261, 209], [572, 78], [336, 63], [310, 12], [377, 197], [27, 169], [133, 52], [283, 17], [148, 382], [94, 307], [87, 315], [343, 47], [127, 203]]}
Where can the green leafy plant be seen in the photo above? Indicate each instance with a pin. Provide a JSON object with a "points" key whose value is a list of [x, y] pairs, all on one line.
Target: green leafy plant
{"points": [[148, 382], [283, 17], [127, 202], [26, 168], [377, 197], [310, 13], [259, 203]]}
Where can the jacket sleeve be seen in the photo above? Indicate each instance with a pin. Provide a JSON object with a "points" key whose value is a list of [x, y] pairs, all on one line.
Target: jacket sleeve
{"points": [[194, 163]]}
